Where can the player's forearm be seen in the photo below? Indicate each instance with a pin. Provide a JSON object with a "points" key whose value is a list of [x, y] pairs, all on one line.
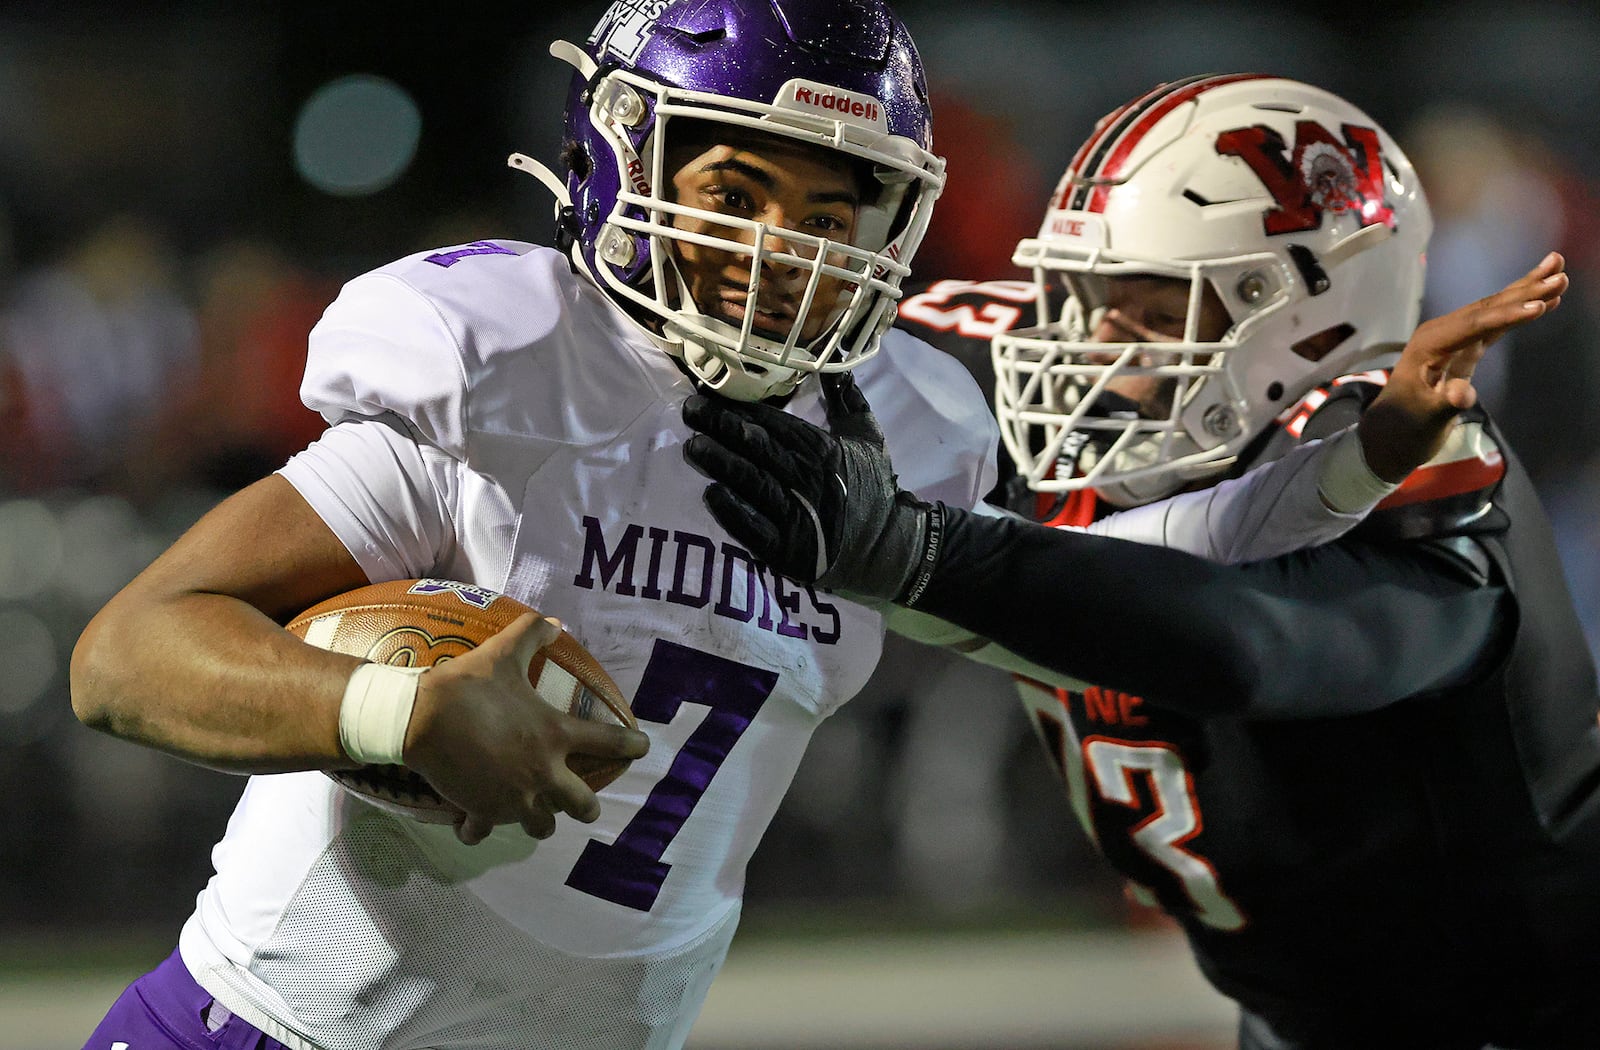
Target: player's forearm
{"points": [[1280, 506], [212, 680], [1331, 631]]}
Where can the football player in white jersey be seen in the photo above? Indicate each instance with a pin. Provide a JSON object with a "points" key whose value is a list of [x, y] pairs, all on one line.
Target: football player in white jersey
{"points": [[746, 185]]}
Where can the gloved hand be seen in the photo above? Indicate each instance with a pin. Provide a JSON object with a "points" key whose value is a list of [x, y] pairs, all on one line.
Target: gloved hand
{"points": [[818, 506]]}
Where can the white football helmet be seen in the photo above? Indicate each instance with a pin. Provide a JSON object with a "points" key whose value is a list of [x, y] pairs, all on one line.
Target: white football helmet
{"points": [[1299, 212]]}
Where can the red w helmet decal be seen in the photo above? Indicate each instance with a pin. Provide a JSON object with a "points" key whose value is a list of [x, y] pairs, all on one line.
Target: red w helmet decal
{"points": [[1320, 175]]}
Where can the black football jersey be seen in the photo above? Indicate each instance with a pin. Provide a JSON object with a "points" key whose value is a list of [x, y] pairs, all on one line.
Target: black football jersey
{"points": [[1422, 874], [1418, 873]]}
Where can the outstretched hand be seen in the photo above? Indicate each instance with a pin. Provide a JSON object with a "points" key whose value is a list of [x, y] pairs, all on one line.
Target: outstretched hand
{"points": [[1406, 425], [818, 506]]}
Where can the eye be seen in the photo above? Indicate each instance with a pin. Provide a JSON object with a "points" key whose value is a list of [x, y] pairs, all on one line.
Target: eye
{"points": [[1164, 322], [730, 199], [829, 224]]}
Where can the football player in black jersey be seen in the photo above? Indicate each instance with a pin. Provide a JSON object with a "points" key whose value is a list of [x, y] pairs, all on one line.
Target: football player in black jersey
{"points": [[1364, 778]]}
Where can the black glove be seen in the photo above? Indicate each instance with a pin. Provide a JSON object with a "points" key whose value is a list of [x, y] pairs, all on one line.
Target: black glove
{"points": [[817, 507]]}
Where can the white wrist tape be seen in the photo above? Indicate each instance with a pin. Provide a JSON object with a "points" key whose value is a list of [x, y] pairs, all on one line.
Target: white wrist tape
{"points": [[1347, 484], [375, 712]]}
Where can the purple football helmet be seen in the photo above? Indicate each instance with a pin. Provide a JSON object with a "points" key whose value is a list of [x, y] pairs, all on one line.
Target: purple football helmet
{"points": [[839, 75]]}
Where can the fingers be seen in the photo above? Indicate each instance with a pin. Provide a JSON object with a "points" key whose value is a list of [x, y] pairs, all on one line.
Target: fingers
{"points": [[849, 414], [564, 791], [541, 825], [840, 395], [1552, 265], [472, 830], [760, 433], [528, 634], [538, 820], [568, 794], [1532, 295], [744, 523], [754, 483], [1449, 347], [504, 753], [606, 741]]}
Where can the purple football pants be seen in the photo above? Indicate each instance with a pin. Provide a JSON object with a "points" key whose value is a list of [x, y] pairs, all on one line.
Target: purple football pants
{"points": [[166, 1010]]}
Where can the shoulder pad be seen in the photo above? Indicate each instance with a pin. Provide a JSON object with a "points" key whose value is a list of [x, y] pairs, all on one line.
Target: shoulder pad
{"points": [[1326, 410], [1451, 495]]}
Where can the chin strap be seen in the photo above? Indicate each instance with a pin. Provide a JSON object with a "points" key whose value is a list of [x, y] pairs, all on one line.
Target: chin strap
{"points": [[552, 182], [566, 217], [574, 56]]}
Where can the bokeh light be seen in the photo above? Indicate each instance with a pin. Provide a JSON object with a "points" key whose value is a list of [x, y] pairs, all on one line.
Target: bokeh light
{"points": [[356, 135]]}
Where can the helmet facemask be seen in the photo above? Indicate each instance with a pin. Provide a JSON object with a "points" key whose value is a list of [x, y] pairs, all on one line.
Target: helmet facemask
{"points": [[631, 236], [811, 302], [1135, 417]]}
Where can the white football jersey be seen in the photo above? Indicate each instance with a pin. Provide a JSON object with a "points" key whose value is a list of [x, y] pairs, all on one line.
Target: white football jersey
{"points": [[498, 420]]}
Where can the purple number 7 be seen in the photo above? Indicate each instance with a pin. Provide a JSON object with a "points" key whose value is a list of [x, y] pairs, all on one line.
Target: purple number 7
{"points": [[630, 871], [448, 259]]}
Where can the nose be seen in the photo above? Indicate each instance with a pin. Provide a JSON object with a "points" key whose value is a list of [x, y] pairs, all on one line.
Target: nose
{"points": [[1107, 330], [1116, 327], [781, 238]]}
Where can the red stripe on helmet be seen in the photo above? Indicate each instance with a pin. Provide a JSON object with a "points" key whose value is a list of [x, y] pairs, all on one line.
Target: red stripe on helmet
{"points": [[1124, 148], [1073, 191]]}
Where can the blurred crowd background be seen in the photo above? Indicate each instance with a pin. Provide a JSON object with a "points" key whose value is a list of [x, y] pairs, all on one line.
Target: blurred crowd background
{"points": [[184, 186]]}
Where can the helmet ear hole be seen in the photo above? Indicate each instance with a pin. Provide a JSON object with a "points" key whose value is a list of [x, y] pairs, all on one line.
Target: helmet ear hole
{"points": [[1314, 348], [576, 160]]}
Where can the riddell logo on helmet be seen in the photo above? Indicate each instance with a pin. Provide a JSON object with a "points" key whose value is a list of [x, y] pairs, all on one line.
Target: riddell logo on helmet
{"points": [[810, 97], [641, 185], [837, 103]]}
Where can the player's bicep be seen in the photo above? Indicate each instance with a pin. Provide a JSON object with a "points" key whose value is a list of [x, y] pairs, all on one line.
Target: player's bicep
{"points": [[264, 545]]}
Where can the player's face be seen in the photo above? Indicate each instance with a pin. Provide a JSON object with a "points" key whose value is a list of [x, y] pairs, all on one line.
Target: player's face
{"points": [[1154, 310], [787, 186]]}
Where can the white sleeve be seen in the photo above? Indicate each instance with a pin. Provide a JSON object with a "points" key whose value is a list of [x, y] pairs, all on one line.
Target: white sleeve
{"points": [[1276, 508], [382, 346], [385, 496]]}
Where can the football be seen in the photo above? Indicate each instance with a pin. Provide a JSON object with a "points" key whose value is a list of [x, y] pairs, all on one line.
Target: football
{"points": [[420, 623]]}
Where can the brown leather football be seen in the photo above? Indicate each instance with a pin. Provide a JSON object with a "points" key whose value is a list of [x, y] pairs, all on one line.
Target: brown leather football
{"points": [[419, 623]]}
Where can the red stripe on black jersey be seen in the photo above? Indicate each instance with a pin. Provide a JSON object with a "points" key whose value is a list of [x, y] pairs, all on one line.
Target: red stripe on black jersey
{"points": [[1117, 143], [1442, 480], [1079, 508]]}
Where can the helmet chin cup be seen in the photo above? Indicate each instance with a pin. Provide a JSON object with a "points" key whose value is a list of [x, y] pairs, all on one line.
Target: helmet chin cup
{"points": [[729, 374]]}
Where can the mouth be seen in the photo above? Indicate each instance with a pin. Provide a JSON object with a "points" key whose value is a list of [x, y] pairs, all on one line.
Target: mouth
{"points": [[773, 320]]}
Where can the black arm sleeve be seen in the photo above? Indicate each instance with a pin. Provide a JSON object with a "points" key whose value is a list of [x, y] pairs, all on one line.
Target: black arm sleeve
{"points": [[1339, 629]]}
